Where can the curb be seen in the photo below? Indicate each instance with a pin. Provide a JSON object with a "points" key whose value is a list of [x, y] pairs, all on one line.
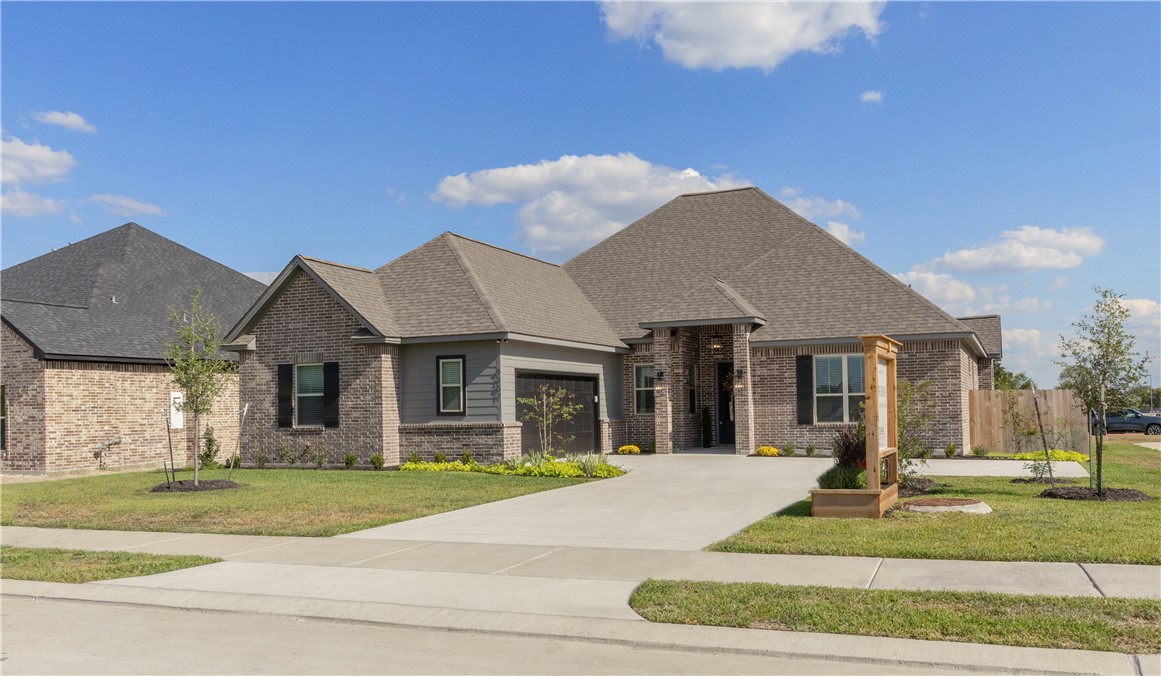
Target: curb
{"points": [[632, 633]]}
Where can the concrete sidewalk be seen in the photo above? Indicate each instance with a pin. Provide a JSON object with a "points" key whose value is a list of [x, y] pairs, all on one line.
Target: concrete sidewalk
{"points": [[543, 567]]}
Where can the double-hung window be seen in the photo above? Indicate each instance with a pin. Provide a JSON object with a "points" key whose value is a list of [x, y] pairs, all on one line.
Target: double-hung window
{"points": [[308, 394], [451, 384], [643, 388], [838, 388]]}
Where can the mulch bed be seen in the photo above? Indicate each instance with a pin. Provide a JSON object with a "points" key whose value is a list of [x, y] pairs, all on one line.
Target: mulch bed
{"points": [[944, 502], [187, 486], [1086, 493], [916, 486], [1042, 480]]}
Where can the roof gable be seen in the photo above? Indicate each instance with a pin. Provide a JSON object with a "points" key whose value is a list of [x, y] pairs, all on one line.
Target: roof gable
{"points": [[108, 297], [991, 336], [713, 302]]}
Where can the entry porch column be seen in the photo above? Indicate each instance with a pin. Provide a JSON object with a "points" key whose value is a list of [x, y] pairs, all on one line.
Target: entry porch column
{"points": [[663, 378], [744, 443]]}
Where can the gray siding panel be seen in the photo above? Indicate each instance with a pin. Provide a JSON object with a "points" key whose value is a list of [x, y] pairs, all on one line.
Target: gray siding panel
{"points": [[417, 384], [521, 356]]}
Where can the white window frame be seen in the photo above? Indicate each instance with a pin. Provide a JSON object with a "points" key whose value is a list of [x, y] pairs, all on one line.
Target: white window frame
{"points": [[846, 393], [298, 395], [461, 386], [636, 389]]}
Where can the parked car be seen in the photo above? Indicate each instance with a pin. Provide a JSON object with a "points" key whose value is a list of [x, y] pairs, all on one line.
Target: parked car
{"points": [[1132, 420]]}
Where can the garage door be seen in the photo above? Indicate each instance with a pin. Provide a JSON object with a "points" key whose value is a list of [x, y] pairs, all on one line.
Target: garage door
{"points": [[584, 427]]}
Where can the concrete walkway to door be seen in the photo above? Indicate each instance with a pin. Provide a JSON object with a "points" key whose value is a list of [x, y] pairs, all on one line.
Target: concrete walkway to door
{"points": [[674, 502]]}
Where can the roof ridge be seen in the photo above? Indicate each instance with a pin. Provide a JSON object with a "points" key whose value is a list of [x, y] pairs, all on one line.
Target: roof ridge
{"points": [[979, 316], [500, 248], [860, 258], [37, 302], [739, 301], [337, 265], [715, 192], [474, 279]]}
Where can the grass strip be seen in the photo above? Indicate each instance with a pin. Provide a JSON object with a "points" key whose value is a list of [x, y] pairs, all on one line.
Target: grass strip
{"points": [[269, 502], [1116, 625], [77, 566], [1022, 527]]}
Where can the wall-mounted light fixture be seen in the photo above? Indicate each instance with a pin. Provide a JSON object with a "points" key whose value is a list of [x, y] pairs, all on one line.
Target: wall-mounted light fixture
{"points": [[716, 342], [659, 376], [739, 374]]}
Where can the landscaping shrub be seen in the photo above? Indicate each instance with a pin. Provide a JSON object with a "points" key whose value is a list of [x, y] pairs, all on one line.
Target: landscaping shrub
{"points": [[234, 462], [810, 450], [842, 476], [466, 457], [652, 445], [980, 452], [628, 449], [850, 446], [767, 451], [414, 457], [319, 455], [377, 461], [1055, 454], [210, 449], [440, 457], [950, 450], [532, 464], [287, 455], [788, 449], [349, 460], [260, 459]]}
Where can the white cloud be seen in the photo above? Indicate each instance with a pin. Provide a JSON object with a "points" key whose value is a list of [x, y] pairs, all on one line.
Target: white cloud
{"points": [[1060, 282], [264, 277], [33, 163], [815, 207], [845, 233], [1024, 340], [68, 120], [741, 34], [75, 218], [399, 196], [1024, 249], [20, 203], [872, 96], [572, 202], [126, 206], [960, 298], [1143, 312]]}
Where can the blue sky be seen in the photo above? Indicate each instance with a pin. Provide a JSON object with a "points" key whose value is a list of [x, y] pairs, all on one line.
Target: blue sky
{"points": [[1000, 157]]}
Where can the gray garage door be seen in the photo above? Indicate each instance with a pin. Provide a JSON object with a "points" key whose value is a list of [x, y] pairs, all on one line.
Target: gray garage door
{"points": [[584, 428]]}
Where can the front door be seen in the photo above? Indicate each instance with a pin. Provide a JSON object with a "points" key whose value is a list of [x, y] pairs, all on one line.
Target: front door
{"points": [[725, 402]]}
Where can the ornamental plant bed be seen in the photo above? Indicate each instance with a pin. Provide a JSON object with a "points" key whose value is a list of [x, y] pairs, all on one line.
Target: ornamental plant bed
{"points": [[188, 486], [1086, 493]]}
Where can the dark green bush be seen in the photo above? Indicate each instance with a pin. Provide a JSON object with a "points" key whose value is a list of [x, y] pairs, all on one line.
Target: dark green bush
{"points": [[440, 456], [841, 476], [377, 461], [208, 458], [467, 458], [414, 457], [349, 460]]}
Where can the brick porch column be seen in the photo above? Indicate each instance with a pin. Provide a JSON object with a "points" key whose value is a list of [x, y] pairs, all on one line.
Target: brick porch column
{"points": [[663, 379], [743, 392]]}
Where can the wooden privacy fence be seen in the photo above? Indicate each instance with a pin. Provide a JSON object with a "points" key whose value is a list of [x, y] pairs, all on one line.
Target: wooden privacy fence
{"points": [[1005, 422]]}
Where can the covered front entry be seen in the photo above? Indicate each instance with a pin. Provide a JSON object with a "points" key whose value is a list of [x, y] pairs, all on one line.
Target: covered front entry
{"points": [[581, 433]]}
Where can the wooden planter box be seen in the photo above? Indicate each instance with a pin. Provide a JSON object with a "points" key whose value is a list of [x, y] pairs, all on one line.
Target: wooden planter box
{"points": [[852, 503]]}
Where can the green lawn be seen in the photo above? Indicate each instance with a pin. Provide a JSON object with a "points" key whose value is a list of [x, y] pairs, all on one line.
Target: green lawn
{"points": [[1021, 527], [270, 502], [71, 565], [1118, 625]]}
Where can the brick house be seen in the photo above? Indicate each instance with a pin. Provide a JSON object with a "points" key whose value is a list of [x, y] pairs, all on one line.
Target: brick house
{"points": [[82, 345], [723, 306]]}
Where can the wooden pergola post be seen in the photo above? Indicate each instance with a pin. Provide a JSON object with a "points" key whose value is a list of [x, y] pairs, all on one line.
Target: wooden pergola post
{"points": [[881, 414]]}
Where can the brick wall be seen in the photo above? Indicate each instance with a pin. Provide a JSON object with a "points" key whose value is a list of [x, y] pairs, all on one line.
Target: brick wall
{"points": [[489, 442], [613, 434], [60, 412], [306, 325], [987, 373], [23, 380], [775, 404], [638, 428]]}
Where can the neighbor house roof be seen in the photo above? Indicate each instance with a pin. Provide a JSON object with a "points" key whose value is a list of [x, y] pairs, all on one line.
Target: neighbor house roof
{"points": [[108, 297], [805, 283], [987, 327]]}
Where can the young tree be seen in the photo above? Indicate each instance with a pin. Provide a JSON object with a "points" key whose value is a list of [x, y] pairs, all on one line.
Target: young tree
{"points": [[548, 407], [915, 419], [1100, 365], [193, 356], [1006, 380]]}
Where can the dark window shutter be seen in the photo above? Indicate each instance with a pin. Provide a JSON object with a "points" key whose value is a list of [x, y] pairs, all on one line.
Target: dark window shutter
{"points": [[285, 395], [804, 370], [331, 394]]}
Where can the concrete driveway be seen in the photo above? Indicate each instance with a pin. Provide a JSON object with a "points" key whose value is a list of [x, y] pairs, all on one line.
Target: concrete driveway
{"points": [[675, 502]]}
